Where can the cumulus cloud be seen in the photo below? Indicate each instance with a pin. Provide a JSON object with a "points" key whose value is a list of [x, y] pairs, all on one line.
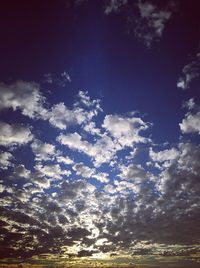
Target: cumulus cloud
{"points": [[5, 159], [191, 122], [57, 206], [125, 130], [62, 117], [51, 170], [133, 172], [65, 160], [101, 151], [164, 156], [189, 73], [43, 151], [83, 170], [25, 96], [14, 135]]}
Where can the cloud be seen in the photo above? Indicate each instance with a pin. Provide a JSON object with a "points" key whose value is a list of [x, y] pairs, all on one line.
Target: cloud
{"points": [[83, 170], [57, 206], [61, 80], [102, 177], [62, 117], [14, 135], [51, 170], [5, 159], [65, 160], [151, 23], [166, 157], [191, 122], [114, 6], [102, 151], [189, 73], [43, 151], [148, 19], [25, 96], [124, 129], [133, 172]]}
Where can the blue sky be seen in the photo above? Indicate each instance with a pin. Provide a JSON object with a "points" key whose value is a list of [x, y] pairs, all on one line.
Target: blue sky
{"points": [[99, 133]]}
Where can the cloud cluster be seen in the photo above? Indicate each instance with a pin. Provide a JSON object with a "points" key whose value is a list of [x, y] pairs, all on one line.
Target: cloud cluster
{"points": [[121, 132], [91, 191]]}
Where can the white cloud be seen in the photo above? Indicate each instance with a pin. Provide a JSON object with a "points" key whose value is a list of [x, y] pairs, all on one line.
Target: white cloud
{"points": [[191, 122], [124, 187], [86, 172], [43, 151], [92, 129], [82, 170], [5, 160], [102, 177], [14, 135], [190, 72], [125, 130], [102, 151], [65, 160], [165, 155], [61, 117], [53, 171], [25, 96], [133, 172]]}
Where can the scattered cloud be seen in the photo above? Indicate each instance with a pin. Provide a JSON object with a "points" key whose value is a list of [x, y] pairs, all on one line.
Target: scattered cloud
{"points": [[148, 19], [151, 23], [83, 170], [43, 151], [191, 122], [14, 135], [25, 96], [5, 159], [61, 80], [114, 6], [189, 73], [90, 192], [125, 130], [51, 170]]}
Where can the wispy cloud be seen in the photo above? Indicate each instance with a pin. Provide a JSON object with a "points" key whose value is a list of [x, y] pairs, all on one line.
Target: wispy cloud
{"points": [[147, 19]]}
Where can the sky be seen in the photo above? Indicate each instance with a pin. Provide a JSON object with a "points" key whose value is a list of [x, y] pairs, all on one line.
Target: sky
{"points": [[99, 133]]}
